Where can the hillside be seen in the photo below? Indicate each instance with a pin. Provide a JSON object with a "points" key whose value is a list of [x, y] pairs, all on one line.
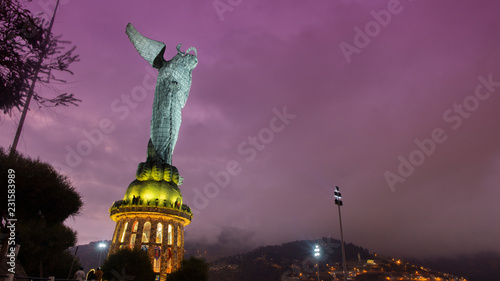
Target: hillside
{"points": [[274, 262], [90, 254], [476, 267], [294, 261]]}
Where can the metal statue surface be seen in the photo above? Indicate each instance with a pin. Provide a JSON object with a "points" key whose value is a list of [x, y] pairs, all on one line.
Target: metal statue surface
{"points": [[171, 93]]}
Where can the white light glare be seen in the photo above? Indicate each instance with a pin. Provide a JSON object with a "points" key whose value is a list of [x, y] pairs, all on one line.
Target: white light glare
{"points": [[316, 251]]}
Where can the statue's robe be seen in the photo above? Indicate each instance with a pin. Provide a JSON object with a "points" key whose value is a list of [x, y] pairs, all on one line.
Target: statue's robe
{"points": [[171, 93]]}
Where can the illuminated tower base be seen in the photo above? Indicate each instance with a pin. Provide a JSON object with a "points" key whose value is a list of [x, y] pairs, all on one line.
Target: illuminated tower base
{"points": [[151, 217]]}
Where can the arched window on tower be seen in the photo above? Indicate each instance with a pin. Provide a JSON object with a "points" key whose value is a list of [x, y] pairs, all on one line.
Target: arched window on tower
{"points": [[146, 232], [169, 234], [159, 233], [133, 235], [122, 238]]}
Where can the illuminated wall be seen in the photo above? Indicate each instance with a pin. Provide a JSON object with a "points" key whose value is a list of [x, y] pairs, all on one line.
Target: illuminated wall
{"points": [[154, 226]]}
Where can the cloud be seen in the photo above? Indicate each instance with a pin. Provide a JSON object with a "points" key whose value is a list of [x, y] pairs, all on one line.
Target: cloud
{"points": [[353, 120]]}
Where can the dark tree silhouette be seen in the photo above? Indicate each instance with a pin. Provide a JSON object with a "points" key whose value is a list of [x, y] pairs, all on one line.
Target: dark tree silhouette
{"points": [[191, 270], [30, 53], [128, 265], [43, 200]]}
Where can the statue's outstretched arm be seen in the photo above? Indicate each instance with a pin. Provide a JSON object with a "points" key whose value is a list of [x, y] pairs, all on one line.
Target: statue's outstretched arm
{"points": [[151, 50]]}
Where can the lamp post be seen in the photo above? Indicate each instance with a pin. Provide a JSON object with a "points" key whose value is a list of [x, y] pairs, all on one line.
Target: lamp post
{"points": [[338, 202], [101, 248], [316, 255], [72, 263]]}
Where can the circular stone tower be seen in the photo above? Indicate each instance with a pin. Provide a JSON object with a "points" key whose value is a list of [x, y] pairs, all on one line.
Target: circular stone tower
{"points": [[152, 217]]}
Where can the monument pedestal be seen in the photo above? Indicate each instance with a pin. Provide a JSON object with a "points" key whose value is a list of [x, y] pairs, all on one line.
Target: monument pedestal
{"points": [[152, 217]]}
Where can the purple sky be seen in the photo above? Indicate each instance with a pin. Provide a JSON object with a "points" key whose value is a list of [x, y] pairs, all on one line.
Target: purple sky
{"points": [[360, 104]]}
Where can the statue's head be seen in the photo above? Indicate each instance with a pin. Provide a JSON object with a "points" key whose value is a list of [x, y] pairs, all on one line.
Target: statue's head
{"points": [[188, 60]]}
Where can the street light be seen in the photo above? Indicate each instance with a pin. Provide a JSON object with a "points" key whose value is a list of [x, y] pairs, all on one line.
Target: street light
{"points": [[101, 247], [316, 255], [338, 202]]}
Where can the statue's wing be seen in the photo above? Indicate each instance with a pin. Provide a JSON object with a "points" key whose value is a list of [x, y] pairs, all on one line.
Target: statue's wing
{"points": [[151, 50]]}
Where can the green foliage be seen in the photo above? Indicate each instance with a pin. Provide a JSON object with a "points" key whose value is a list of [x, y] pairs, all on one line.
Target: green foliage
{"points": [[44, 199], [27, 49], [128, 265], [192, 269]]}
